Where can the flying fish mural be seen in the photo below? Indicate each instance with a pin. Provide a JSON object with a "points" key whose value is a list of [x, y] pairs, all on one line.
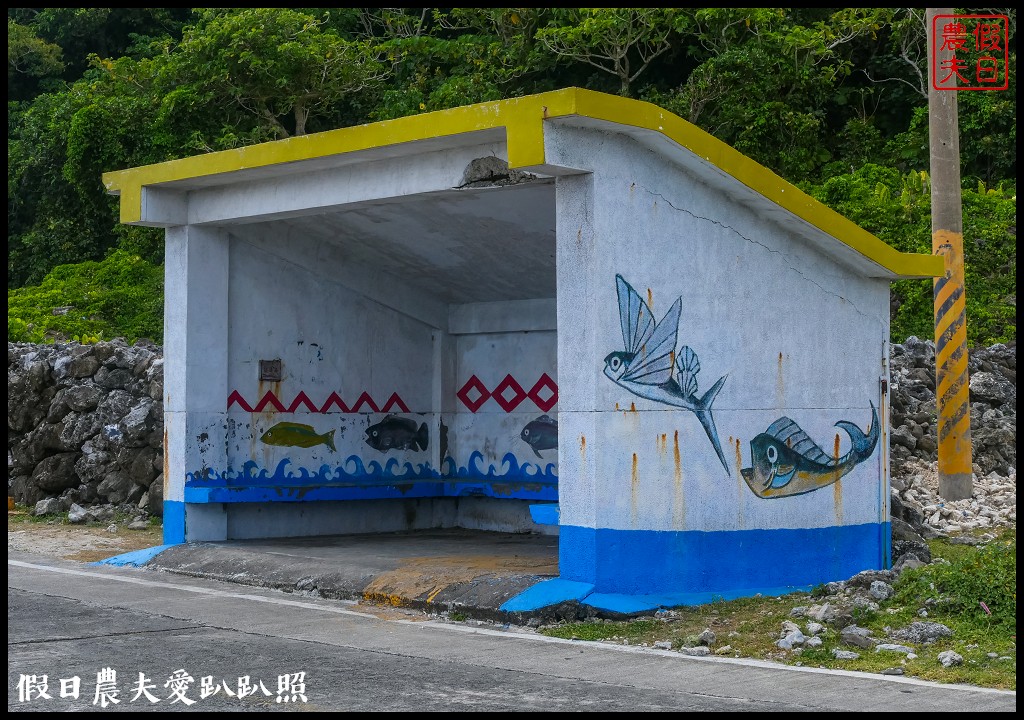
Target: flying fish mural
{"points": [[650, 366]]}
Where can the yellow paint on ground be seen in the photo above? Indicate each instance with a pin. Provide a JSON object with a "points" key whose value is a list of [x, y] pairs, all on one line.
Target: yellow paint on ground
{"points": [[523, 120], [422, 579]]}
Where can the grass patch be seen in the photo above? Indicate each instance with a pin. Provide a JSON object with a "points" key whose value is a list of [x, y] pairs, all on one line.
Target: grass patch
{"points": [[22, 515], [632, 629], [951, 593]]}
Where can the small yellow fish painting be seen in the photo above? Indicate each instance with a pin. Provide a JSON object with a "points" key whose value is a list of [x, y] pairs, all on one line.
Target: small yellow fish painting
{"points": [[288, 434]]}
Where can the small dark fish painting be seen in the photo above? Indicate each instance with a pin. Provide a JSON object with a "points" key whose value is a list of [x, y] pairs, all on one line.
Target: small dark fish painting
{"points": [[444, 441], [289, 434], [541, 434], [397, 433]]}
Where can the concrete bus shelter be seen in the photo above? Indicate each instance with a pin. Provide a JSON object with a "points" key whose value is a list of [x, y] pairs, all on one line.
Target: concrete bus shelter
{"points": [[567, 313]]}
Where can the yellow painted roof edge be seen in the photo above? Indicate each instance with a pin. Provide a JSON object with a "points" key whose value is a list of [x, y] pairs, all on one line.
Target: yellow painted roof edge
{"points": [[523, 119]]}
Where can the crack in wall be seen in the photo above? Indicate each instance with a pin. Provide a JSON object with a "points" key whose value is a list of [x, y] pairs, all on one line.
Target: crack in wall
{"points": [[761, 244]]}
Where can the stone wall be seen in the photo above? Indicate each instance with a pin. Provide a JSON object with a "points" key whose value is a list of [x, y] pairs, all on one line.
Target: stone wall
{"points": [[85, 424], [993, 393]]}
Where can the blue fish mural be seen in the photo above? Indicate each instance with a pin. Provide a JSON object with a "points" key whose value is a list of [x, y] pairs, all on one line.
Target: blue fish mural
{"points": [[650, 367], [540, 434], [397, 433], [785, 461]]}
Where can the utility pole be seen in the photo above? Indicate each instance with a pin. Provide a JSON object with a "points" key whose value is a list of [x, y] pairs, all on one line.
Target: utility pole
{"points": [[952, 399]]}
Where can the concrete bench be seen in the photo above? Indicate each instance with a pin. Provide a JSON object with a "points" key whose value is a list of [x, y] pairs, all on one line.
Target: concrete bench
{"points": [[200, 491]]}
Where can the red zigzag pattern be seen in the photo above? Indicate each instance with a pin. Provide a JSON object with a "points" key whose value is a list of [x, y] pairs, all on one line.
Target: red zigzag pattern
{"points": [[302, 400]]}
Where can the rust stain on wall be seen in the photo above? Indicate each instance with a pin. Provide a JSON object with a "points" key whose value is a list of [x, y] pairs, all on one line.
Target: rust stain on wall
{"points": [[678, 497], [167, 474], [837, 487], [780, 385], [583, 448], [650, 299], [676, 457], [634, 489], [884, 435], [262, 421], [740, 497]]}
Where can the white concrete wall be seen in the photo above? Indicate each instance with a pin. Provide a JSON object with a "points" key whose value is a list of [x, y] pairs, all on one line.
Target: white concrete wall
{"points": [[261, 520], [492, 430], [293, 301], [330, 339], [795, 334]]}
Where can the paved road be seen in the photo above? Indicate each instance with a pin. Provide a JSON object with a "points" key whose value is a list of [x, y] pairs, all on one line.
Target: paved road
{"points": [[67, 619]]}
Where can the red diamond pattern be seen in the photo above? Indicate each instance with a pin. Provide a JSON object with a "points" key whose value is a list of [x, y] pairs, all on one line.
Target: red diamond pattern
{"points": [[547, 383], [518, 394], [509, 393], [473, 384]]}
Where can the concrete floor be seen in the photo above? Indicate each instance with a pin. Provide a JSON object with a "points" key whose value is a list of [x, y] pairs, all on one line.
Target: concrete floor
{"points": [[469, 571]]}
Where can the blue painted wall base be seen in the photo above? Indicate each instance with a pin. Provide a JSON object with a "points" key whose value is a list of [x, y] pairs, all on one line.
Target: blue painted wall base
{"points": [[174, 522], [645, 562], [630, 571]]}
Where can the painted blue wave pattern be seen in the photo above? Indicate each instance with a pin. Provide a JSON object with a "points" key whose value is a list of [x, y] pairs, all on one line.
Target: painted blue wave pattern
{"points": [[354, 470], [528, 471]]}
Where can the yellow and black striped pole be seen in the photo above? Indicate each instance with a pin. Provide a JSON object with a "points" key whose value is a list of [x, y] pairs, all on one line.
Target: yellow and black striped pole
{"points": [[952, 401]]}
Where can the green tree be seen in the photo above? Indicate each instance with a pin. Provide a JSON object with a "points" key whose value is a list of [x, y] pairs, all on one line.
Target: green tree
{"points": [[458, 56], [31, 61], [283, 66], [106, 32], [832, 99], [620, 41], [896, 207]]}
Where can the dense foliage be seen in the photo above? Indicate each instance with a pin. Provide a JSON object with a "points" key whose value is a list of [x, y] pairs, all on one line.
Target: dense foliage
{"points": [[976, 587], [120, 296], [834, 100]]}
